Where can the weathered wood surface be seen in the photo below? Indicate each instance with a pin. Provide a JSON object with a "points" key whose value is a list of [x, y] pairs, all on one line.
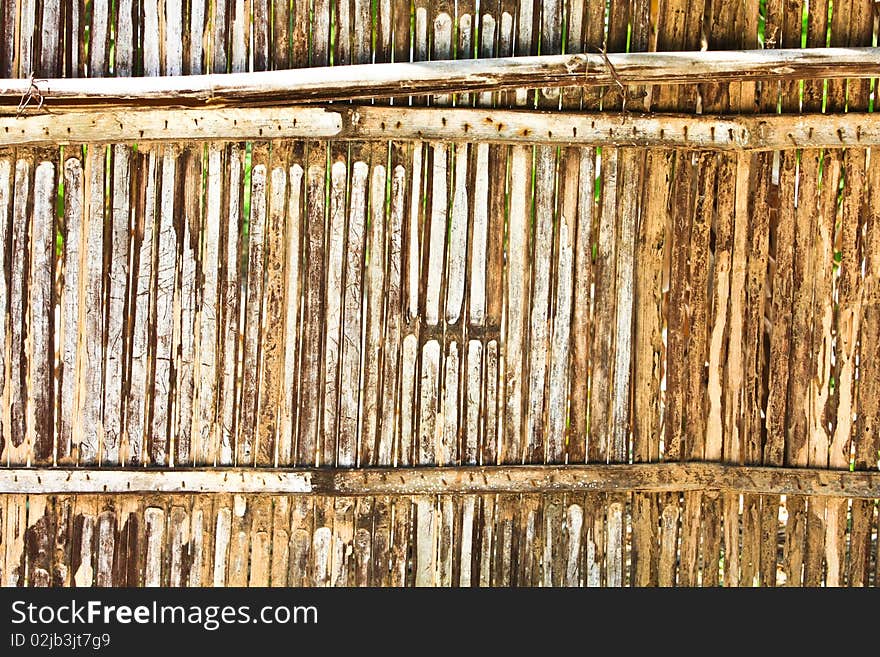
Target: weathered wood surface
{"points": [[647, 477], [445, 75], [712, 132], [440, 301]]}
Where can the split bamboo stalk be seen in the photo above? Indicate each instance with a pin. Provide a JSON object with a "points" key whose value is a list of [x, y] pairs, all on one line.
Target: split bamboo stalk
{"points": [[439, 76]]}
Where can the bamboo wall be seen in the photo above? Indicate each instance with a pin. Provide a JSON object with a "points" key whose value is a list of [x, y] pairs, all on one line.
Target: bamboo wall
{"points": [[334, 303]]}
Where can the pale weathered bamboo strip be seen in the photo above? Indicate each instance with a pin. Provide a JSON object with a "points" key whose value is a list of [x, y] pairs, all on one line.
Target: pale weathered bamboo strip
{"points": [[15, 517], [544, 218], [524, 44], [6, 193], [442, 39], [447, 446], [465, 546], [580, 326], [479, 238], [466, 21], [818, 402], [558, 390], [84, 549], [266, 448], [849, 303], [868, 421], [562, 274], [333, 311], [258, 563], [137, 404], [429, 409], [51, 34], [261, 24], [574, 524], [682, 191], [632, 164], [7, 41], [458, 235], [647, 426], [716, 432], [486, 531], [445, 549], [24, 29], [151, 38], [381, 547], [230, 305], [399, 78], [250, 374], [409, 431], [239, 19], [178, 530], [188, 287], [413, 260], [471, 399], [172, 31], [91, 318], [216, 43], [437, 231], [552, 514], [320, 42], [99, 40], [221, 530], [167, 241], [499, 563], [194, 63], [16, 450], [604, 316], [239, 542], [805, 266], [301, 522], [321, 543], [698, 352], [615, 536], [733, 445], [59, 539], [118, 278], [207, 380], [391, 438], [350, 348], [494, 409], [154, 521], [517, 308], [292, 319], [527, 540], [201, 542], [782, 304], [280, 566], [313, 306], [374, 282], [36, 544], [362, 543], [425, 535], [41, 352]]}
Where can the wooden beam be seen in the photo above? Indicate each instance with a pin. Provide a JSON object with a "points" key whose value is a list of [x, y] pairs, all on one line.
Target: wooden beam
{"points": [[727, 133], [654, 477], [445, 76]]}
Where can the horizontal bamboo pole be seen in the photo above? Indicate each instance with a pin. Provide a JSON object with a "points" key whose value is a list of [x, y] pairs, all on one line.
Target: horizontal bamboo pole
{"points": [[444, 76], [727, 133], [654, 477]]}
